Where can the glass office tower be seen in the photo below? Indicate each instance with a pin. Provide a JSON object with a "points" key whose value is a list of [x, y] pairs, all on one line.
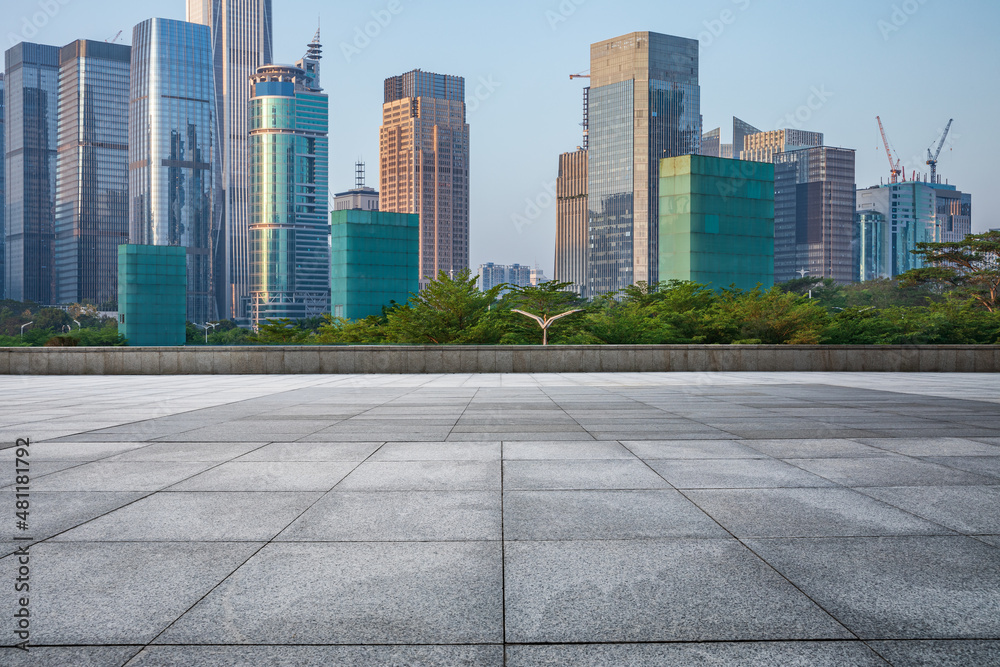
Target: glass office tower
{"points": [[170, 152], [645, 105], [241, 43], [3, 186], [424, 159], [92, 171], [32, 92], [289, 164]]}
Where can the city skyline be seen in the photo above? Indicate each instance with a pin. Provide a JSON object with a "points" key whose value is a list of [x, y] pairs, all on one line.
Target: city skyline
{"points": [[837, 98]]}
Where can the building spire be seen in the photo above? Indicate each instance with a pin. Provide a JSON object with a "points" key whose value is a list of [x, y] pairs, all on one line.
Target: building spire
{"points": [[315, 51]]}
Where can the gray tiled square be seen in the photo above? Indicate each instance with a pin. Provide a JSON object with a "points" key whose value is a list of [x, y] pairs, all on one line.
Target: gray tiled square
{"points": [[424, 476], [118, 593], [888, 472], [320, 656], [399, 516], [354, 593], [709, 654], [815, 449], [933, 446], [439, 451], [567, 474], [197, 517], [968, 509], [652, 591], [119, 476], [940, 653], [540, 450], [269, 476], [808, 513], [735, 474], [604, 515], [896, 587], [313, 451], [692, 449]]}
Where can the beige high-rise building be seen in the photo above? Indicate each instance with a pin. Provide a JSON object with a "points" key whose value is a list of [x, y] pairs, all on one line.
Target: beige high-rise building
{"points": [[763, 146], [424, 165], [571, 221]]}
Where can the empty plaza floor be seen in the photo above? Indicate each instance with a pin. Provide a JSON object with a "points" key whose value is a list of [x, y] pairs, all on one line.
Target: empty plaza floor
{"points": [[522, 520]]}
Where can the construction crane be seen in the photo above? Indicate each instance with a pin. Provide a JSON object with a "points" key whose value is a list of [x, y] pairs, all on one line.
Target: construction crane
{"points": [[115, 38], [579, 76], [895, 168], [586, 109], [932, 160]]}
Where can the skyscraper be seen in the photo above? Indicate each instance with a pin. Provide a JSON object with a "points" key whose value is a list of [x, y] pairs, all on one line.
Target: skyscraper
{"points": [[32, 92], [571, 221], [741, 130], [91, 218], [644, 105], [289, 166], [170, 149], [814, 214], [424, 158], [711, 143], [3, 187], [241, 43]]}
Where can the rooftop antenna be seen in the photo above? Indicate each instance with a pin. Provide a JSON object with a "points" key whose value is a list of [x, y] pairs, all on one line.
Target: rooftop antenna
{"points": [[359, 174]]}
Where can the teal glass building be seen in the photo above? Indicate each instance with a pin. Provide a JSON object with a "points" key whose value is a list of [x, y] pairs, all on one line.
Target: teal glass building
{"points": [[717, 221], [375, 259], [289, 227], [152, 295]]}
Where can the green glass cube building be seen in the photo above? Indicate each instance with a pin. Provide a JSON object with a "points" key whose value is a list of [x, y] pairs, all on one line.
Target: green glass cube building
{"points": [[716, 221], [152, 295], [375, 261]]}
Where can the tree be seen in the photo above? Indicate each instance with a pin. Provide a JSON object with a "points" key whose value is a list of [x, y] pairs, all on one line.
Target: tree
{"points": [[447, 311], [545, 304], [968, 269], [282, 331], [769, 317]]}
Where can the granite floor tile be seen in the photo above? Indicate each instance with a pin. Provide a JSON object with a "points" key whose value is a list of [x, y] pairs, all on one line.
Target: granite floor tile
{"points": [[808, 513], [815, 449], [313, 451], [979, 465], [956, 653], [354, 593], [535, 450], [399, 516], [652, 591], [103, 593], [269, 476], [735, 474], [439, 451], [62, 656], [604, 515], [692, 449], [889, 472], [896, 587], [967, 509], [424, 476], [933, 446], [320, 656], [118, 476], [716, 654], [572, 474], [196, 517], [187, 452]]}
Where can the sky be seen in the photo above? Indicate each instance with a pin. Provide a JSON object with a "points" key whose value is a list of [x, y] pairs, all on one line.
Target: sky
{"points": [[830, 66]]}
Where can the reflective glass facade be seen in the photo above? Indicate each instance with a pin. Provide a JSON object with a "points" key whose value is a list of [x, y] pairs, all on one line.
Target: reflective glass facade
{"points": [[152, 294], [241, 42], [424, 165], [170, 152], [871, 238], [375, 261], [289, 195], [92, 175], [914, 213], [3, 188], [814, 214], [32, 93], [645, 104], [717, 222]]}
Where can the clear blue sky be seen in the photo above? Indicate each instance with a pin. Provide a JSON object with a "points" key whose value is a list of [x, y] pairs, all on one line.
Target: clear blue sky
{"points": [[937, 61]]}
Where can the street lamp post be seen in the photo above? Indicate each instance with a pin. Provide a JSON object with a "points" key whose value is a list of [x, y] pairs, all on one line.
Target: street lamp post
{"points": [[22, 328], [206, 327]]}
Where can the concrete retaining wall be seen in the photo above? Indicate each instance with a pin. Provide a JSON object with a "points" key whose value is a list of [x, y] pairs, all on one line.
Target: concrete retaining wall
{"points": [[495, 359]]}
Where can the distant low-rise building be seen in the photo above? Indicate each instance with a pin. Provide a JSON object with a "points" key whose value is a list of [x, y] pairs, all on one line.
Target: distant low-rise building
{"points": [[516, 275], [716, 221], [375, 261], [152, 294]]}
